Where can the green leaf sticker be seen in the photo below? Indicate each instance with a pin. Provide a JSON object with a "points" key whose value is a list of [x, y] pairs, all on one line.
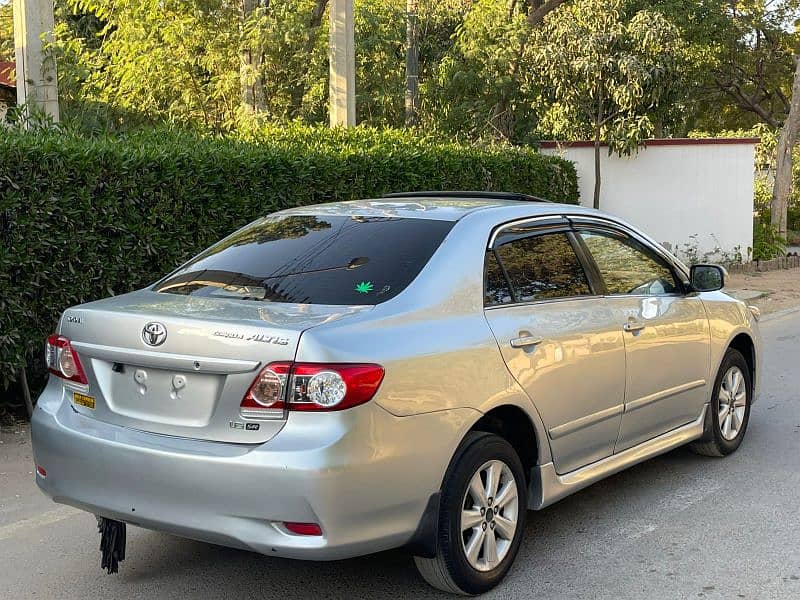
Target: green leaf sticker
{"points": [[365, 287]]}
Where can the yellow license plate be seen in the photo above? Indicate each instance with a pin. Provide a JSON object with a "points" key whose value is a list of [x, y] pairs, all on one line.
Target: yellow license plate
{"points": [[82, 400]]}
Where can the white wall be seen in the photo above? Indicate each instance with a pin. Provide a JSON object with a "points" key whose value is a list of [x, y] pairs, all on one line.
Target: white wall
{"points": [[676, 189]]}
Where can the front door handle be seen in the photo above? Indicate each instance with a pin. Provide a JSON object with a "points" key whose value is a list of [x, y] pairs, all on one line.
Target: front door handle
{"points": [[528, 340], [634, 325]]}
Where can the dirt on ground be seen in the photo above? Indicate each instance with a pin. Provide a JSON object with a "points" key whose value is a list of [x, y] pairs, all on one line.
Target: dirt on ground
{"points": [[778, 289]]}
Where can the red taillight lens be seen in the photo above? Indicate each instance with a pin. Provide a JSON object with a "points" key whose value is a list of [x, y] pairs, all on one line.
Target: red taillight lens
{"points": [[310, 387], [267, 394], [63, 361], [333, 387], [304, 528]]}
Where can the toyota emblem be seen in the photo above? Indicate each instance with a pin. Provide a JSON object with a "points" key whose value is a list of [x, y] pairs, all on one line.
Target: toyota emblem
{"points": [[154, 334]]}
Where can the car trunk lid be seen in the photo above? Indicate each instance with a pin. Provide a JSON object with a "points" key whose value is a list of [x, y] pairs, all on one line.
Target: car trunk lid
{"points": [[180, 365]]}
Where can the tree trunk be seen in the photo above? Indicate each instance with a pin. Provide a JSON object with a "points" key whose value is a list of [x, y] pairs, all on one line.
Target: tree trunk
{"points": [[251, 59], [299, 89], [412, 63], [597, 167], [598, 126], [782, 188]]}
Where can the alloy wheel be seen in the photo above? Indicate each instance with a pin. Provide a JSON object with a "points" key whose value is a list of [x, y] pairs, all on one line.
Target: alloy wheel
{"points": [[732, 403], [489, 515]]}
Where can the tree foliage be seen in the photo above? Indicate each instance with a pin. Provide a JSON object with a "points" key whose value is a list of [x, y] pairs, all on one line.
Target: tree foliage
{"points": [[606, 74], [6, 32]]}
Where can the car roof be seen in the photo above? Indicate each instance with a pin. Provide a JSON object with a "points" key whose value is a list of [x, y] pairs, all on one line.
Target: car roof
{"points": [[436, 208]]}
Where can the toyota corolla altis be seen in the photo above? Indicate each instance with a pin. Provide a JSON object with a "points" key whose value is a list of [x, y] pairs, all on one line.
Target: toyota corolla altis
{"points": [[416, 371]]}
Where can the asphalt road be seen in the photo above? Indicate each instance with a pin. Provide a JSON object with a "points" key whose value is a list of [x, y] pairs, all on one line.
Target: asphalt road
{"points": [[678, 526]]}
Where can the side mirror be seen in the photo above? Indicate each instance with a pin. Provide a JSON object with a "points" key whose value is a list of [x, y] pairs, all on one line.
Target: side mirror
{"points": [[707, 278]]}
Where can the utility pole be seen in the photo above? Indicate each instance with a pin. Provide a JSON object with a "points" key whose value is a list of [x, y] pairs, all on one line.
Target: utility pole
{"points": [[37, 86], [412, 63], [342, 64]]}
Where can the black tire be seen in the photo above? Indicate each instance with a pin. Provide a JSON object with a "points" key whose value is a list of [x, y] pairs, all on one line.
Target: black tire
{"points": [[450, 569], [714, 443]]}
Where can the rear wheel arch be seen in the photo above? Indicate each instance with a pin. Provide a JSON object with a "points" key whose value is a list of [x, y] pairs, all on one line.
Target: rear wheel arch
{"points": [[510, 422], [513, 424]]}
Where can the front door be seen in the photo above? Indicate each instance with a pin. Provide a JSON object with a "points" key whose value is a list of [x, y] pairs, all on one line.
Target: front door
{"points": [[666, 336], [561, 342]]}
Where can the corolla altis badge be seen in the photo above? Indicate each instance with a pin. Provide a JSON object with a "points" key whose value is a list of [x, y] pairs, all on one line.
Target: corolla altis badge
{"points": [[253, 337], [154, 333]]}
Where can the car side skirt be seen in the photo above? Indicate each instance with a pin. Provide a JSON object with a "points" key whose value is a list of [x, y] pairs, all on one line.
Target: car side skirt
{"points": [[546, 486]]}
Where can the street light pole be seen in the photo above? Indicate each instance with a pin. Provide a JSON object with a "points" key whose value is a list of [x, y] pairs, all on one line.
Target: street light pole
{"points": [[37, 87], [342, 64]]}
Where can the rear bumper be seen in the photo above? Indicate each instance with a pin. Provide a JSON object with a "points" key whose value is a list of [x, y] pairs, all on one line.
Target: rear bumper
{"points": [[363, 475]]}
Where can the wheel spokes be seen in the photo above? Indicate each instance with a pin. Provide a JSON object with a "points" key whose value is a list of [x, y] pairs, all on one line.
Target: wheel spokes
{"points": [[505, 527], [490, 547], [724, 409], [506, 494], [470, 518], [736, 381], [735, 423], [493, 479], [477, 490], [489, 515], [726, 425], [475, 544]]}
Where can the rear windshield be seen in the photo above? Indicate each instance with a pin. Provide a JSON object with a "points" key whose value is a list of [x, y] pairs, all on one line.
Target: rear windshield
{"points": [[313, 260]]}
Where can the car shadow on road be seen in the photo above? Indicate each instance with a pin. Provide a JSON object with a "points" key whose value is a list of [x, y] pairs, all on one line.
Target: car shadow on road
{"points": [[557, 535]]}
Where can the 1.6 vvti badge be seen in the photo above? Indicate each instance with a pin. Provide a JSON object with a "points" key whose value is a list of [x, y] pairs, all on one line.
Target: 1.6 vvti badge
{"points": [[417, 371]]}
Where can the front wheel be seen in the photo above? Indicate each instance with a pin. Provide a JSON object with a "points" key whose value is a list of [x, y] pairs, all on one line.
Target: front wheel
{"points": [[481, 517], [729, 407]]}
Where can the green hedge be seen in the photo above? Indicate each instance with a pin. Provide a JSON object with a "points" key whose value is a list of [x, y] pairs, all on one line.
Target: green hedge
{"points": [[91, 217]]}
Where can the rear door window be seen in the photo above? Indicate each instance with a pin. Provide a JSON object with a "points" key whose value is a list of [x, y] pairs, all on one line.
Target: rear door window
{"points": [[543, 267], [497, 290], [313, 259]]}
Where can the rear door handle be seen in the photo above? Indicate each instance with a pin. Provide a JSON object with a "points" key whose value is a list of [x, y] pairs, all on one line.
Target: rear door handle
{"points": [[634, 326], [528, 340]]}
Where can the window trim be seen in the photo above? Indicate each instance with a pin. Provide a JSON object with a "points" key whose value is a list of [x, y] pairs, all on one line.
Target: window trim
{"points": [[553, 227], [649, 251], [602, 222], [545, 222]]}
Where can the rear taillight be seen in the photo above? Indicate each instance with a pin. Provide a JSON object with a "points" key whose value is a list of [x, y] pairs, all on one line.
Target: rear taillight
{"points": [[309, 387], [267, 394], [63, 361]]}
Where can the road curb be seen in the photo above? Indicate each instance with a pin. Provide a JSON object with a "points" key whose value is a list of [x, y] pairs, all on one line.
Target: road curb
{"points": [[778, 314]]}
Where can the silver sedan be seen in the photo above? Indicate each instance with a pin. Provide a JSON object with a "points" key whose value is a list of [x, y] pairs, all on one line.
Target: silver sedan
{"points": [[415, 371]]}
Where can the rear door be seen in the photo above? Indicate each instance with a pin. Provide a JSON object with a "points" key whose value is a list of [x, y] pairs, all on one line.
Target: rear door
{"points": [[559, 339], [666, 333]]}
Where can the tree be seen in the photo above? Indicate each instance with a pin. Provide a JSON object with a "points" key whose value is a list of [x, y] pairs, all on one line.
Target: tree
{"points": [[534, 12], [605, 73], [745, 68], [782, 188], [475, 89]]}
